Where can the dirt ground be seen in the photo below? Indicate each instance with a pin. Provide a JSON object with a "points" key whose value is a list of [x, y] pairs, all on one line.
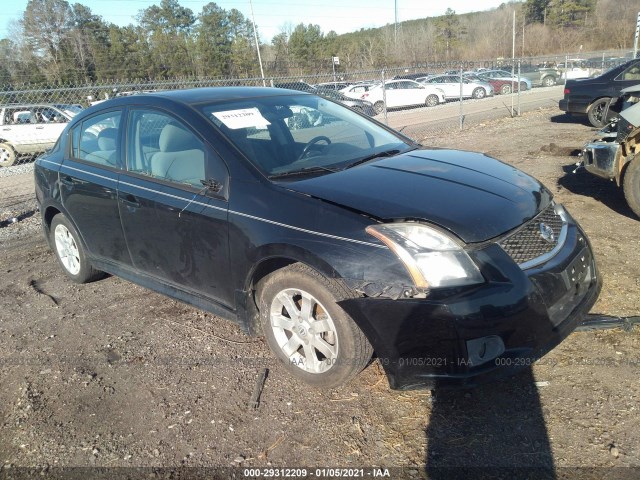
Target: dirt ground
{"points": [[111, 375]]}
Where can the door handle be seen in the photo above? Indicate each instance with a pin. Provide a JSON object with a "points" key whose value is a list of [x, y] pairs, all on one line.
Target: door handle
{"points": [[39, 128], [67, 180], [6, 129], [130, 200]]}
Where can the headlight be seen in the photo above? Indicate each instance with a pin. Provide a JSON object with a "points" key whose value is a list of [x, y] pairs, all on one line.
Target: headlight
{"points": [[432, 258]]}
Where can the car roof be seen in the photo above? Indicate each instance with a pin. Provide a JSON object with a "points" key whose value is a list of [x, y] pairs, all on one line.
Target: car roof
{"points": [[197, 96], [28, 105]]}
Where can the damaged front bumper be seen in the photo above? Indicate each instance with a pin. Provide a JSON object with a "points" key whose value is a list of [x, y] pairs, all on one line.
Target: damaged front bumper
{"points": [[461, 337], [602, 158]]}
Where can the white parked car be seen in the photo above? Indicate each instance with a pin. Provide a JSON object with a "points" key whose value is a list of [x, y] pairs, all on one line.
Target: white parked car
{"points": [[577, 68], [450, 85], [403, 93], [29, 129], [358, 89]]}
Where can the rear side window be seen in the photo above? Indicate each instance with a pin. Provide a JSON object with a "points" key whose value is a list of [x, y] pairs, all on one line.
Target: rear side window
{"points": [[631, 73], [96, 140]]}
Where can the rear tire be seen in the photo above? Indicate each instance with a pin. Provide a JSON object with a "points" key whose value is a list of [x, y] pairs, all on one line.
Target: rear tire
{"points": [[306, 329], [432, 101], [7, 155], [70, 252], [505, 89], [596, 112], [548, 82], [479, 93], [378, 107], [631, 185]]}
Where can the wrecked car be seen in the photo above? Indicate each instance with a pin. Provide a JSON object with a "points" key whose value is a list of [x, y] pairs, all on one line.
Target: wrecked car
{"points": [[613, 154], [336, 241]]}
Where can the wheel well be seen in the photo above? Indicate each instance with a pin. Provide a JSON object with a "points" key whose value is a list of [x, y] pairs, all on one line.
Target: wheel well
{"points": [[267, 267], [252, 309], [597, 100], [49, 213]]}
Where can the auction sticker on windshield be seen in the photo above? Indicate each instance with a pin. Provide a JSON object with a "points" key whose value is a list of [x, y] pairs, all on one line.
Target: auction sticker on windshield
{"points": [[242, 118]]}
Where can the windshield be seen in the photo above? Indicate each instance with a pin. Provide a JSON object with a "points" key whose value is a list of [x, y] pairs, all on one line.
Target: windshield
{"points": [[303, 134]]}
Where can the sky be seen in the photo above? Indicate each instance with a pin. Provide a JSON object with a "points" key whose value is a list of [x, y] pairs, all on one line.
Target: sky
{"points": [[272, 16]]}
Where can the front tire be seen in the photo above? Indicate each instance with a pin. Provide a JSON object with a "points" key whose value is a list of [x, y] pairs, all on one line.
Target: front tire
{"points": [[505, 89], [7, 155], [631, 185], [70, 252], [306, 329], [432, 100], [548, 82], [596, 112]]}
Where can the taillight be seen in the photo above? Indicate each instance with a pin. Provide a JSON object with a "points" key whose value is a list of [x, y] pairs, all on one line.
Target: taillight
{"points": [[364, 95], [567, 91]]}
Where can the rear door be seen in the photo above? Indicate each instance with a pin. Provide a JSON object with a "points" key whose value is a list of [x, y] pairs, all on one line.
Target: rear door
{"points": [[394, 94], [88, 185], [176, 229]]}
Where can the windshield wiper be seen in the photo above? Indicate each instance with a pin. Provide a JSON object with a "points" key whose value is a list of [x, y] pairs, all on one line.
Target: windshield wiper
{"points": [[385, 153], [303, 171]]}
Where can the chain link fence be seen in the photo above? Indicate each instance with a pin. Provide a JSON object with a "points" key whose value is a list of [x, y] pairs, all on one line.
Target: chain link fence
{"points": [[422, 101]]}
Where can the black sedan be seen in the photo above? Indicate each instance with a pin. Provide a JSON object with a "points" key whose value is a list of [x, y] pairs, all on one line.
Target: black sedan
{"points": [[335, 240], [591, 96]]}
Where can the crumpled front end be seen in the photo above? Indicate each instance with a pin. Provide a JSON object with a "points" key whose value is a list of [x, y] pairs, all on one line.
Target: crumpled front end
{"points": [[533, 297]]}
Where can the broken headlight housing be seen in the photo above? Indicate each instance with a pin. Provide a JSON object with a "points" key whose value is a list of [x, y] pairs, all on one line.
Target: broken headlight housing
{"points": [[432, 258]]}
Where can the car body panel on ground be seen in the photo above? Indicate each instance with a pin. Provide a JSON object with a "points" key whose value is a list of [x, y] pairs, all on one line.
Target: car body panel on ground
{"points": [[614, 154]]}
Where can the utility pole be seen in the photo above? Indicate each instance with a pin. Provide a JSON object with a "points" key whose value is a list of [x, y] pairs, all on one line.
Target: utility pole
{"points": [[524, 22], [513, 60], [255, 36], [396, 23], [635, 44]]}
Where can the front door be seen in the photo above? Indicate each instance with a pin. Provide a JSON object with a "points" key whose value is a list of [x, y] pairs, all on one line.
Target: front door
{"points": [[176, 230]]}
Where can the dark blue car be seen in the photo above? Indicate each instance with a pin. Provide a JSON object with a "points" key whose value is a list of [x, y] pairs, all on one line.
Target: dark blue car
{"points": [[336, 238]]}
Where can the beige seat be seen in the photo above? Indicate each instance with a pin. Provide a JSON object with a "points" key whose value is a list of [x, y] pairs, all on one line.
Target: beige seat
{"points": [[181, 156], [107, 145]]}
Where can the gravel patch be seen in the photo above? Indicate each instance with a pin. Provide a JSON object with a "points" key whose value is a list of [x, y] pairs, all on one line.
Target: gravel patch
{"points": [[17, 169]]}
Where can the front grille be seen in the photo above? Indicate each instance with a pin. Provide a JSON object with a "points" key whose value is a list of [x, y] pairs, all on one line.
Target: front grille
{"points": [[528, 243]]}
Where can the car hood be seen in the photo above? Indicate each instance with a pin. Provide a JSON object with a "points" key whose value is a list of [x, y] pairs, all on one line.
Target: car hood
{"points": [[470, 194]]}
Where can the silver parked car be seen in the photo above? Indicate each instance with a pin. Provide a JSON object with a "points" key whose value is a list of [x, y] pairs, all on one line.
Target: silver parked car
{"points": [[450, 85]]}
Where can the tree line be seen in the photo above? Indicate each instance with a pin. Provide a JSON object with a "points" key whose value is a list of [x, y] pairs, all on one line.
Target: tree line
{"points": [[55, 42]]}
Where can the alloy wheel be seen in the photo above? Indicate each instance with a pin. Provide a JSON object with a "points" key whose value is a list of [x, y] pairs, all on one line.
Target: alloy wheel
{"points": [[67, 249], [304, 330]]}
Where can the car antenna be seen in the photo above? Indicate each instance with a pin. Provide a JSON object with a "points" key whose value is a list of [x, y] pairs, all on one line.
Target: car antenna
{"points": [[209, 184]]}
